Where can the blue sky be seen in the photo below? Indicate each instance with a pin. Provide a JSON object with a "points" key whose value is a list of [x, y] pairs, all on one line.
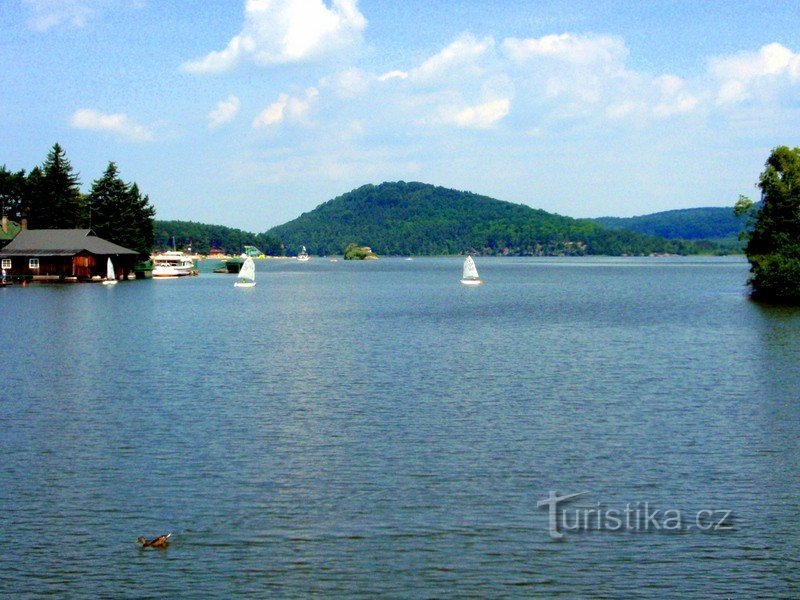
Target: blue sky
{"points": [[249, 113]]}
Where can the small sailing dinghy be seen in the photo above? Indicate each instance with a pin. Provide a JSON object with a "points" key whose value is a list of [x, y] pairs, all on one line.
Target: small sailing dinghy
{"points": [[247, 274], [470, 274], [111, 278]]}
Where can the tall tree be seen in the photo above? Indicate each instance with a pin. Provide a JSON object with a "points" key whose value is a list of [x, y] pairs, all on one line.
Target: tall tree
{"points": [[119, 212], [141, 226], [773, 247], [56, 200], [12, 193]]}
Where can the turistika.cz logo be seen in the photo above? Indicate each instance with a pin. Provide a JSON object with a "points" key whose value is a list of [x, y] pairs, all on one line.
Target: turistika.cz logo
{"points": [[634, 517]]}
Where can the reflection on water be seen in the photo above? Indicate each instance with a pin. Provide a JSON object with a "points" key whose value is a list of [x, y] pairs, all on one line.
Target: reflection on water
{"points": [[376, 428]]}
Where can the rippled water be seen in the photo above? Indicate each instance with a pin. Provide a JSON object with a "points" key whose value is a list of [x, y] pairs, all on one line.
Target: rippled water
{"points": [[376, 429]]}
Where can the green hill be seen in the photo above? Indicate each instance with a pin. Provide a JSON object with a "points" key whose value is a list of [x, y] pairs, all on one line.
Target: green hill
{"points": [[421, 219], [201, 238], [711, 223]]}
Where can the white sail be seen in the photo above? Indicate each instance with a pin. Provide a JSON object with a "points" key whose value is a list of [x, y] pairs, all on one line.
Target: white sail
{"points": [[470, 270], [110, 270], [248, 270]]}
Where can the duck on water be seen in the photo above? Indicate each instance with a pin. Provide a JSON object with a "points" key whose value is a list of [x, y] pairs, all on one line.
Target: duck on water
{"points": [[161, 541]]}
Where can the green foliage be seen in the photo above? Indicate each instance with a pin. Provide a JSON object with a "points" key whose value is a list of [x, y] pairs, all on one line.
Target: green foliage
{"points": [[119, 212], [13, 191], [711, 229], [354, 252], [54, 197], [773, 246], [49, 197], [420, 219], [202, 238], [687, 224], [776, 277]]}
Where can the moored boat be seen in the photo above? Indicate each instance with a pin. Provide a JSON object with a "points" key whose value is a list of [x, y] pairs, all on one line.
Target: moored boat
{"points": [[111, 277], [172, 264]]}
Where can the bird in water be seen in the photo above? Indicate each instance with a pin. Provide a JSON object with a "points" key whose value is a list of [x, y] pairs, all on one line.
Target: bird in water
{"points": [[161, 541]]}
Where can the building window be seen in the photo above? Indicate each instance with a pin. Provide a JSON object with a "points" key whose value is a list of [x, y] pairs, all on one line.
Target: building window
{"points": [[6, 263], [33, 263]]}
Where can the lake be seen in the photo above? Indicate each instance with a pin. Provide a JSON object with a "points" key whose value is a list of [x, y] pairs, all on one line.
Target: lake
{"points": [[366, 429]]}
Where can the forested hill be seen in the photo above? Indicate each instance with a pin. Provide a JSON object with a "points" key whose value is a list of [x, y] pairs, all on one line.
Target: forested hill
{"points": [[421, 219], [202, 238], [688, 224]]}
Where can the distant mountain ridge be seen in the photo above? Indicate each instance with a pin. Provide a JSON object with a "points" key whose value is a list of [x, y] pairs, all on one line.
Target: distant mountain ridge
{"points": [[414, 218], [708, 223]]}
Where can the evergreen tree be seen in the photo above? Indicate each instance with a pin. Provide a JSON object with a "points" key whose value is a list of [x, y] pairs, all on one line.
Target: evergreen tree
{"points": [[56, 200], [119, 212], [141, 226], [773, 248], [12, 193], [33, 189], [107, 205]]}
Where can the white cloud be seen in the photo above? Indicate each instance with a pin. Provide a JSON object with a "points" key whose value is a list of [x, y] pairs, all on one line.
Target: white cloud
{"points": [[483, 115], [669, 84], [286, 31], [224, 112], [682, 104], [286, 107], [393, 75], [347, 84], [625, 108], [738, 75], [566, 47], [457, 58], [47, 14], [120, 124]]}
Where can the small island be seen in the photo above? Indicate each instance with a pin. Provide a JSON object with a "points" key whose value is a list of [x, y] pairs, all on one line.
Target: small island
{"points": [[354, 252]]}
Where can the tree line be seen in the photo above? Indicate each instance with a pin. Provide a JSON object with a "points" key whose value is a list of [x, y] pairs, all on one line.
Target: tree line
{"points": [[49, 197], [773, 238], [202, 238]]}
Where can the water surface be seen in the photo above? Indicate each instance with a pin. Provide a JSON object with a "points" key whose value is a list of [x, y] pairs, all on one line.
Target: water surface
{"points": [[356, 429]]}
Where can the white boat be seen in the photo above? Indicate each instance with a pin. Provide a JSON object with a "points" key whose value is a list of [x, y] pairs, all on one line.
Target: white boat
{"points": [[111, 277], [303, 256], [247, 274], [172, 264], [469, 275]]}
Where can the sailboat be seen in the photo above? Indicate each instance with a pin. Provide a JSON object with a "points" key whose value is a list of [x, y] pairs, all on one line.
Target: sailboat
{"points": [[303, 256], [247, 274], [111, 278], [470, 274]]}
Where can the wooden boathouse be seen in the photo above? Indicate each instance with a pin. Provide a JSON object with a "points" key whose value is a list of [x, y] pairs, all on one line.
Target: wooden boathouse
{"points": [[63, 255]]}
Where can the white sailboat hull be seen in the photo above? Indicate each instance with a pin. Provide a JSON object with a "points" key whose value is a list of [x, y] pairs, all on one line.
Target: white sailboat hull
{"points": [[471, 281], [247, 274], [111, 277]]}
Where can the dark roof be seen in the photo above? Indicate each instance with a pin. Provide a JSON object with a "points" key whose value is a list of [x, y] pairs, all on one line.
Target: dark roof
{"points": [[60, 242]]}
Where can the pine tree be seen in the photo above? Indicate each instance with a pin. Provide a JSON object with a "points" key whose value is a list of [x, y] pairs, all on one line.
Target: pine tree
{"points": [[119, 212], [141, 226], [55, 197], [12, 193]]}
